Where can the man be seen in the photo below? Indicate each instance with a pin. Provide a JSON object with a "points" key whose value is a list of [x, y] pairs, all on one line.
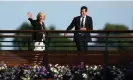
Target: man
{"points": [[82, 22]]}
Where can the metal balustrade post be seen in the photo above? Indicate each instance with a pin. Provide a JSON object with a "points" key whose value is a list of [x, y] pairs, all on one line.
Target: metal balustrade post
{"points": [[29, 46], [106, 56], [45, 56], [0, 47]]}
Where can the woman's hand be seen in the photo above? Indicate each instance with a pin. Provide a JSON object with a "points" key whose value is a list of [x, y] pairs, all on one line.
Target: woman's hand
{"points": [[29, 15]]}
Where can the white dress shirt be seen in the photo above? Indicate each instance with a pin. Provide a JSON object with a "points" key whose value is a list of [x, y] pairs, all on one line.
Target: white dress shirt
{"points": [[83, 20]]}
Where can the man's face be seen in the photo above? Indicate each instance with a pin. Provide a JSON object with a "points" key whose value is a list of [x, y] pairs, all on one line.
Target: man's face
{"points": [[83, 12]]}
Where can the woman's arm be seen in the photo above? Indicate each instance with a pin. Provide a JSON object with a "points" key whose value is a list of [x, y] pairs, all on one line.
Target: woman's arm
{"points": [[30, 19], [33, 24]]}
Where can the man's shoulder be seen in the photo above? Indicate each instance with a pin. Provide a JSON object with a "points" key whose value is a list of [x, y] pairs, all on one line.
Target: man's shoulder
{"points": [[88, 16], [76, 17], [80, 16]]}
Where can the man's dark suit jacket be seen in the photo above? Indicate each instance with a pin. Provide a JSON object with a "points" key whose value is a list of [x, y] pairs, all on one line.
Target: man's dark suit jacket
{"points": [[37, 36], [76, 23]]}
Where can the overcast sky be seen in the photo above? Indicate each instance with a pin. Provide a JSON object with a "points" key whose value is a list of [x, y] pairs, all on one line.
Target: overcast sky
{"points": [[61, 13]]}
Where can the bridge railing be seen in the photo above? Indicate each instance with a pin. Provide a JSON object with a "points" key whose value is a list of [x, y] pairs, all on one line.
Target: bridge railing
{"points": [[107, 40], [55, 40]]}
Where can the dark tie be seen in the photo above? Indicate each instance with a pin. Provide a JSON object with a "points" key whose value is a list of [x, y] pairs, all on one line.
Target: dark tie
{"points": [[82, 22]]}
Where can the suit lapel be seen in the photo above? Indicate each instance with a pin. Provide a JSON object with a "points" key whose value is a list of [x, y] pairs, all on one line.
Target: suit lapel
{"points": [[78, 21], [43, 25], [86, 20]]}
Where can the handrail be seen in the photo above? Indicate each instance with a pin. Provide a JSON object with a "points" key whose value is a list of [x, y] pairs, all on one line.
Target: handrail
{"points": [[69, 31], [28, 36], [15, 36]]}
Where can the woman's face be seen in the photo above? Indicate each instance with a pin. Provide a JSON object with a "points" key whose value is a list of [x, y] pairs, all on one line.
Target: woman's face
{"points": [[42, 17]]}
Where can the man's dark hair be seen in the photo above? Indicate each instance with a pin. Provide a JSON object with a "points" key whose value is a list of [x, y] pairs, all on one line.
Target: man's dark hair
{"points": [[84, 7]]}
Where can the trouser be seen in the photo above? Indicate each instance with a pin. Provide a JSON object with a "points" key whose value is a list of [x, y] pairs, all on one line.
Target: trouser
{"points": [[81, 43]]}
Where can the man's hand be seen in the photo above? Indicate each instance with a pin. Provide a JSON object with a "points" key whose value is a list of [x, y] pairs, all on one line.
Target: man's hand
{"points": [[83, 29], [65, 34], [29, 15]]}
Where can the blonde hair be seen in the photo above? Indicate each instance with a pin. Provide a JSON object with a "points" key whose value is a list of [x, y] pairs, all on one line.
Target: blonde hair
{"points": [[39, 14]]}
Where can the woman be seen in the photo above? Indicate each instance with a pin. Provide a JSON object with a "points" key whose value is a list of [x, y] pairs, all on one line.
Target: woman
{"points": [[38, 24]]}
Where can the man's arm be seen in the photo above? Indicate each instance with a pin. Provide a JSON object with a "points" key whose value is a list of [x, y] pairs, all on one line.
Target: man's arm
{"points": [[91, 24], [70, 26], [90, 27]]}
